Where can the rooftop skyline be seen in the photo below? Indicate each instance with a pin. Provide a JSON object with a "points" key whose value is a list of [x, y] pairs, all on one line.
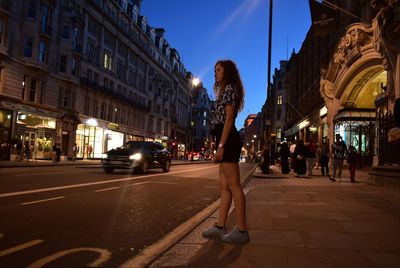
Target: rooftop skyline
{"points": [[206, 31]]}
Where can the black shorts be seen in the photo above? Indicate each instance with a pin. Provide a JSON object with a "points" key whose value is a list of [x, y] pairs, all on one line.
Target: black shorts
{"points": [[233, 145]]}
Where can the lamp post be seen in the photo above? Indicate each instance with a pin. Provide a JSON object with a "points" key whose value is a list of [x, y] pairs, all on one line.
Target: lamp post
{"points": [[195, 82]]}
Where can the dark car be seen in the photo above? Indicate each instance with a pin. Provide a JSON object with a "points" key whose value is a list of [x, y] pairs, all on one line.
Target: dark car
{"points": [[138, 156]]}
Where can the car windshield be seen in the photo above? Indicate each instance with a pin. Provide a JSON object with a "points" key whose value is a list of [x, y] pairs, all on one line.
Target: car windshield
{"points": [[135, 145]]}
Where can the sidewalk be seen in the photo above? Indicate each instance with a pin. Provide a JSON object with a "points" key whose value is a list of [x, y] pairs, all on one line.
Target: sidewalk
{"points": [[303, 222], [94, 162]]}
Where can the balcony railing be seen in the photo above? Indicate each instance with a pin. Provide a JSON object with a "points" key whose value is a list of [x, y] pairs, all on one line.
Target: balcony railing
{"points": [[93, 85]]}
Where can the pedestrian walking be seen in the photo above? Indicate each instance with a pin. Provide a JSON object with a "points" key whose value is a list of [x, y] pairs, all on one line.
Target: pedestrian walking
{"points": [[300, 166], [229, 92], [19, 147], [75, 150], [324, 159], [58, 152], [311, 156], [339, 151], [285, 153], [352, 160], [27, 151]]}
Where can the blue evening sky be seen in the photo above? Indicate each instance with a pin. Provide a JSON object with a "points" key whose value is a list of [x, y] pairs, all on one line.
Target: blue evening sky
{"points": [[208, 30]]}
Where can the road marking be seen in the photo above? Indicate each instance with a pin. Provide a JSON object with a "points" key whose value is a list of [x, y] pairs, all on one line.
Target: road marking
{"points": [[104, 256], [20, 247], [47, 173], [43, 200], [211, 186], [93, 183], [106, 189], [163, 182]]}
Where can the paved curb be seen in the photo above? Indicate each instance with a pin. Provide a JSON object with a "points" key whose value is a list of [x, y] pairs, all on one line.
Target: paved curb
{"points": [[159, 248]]}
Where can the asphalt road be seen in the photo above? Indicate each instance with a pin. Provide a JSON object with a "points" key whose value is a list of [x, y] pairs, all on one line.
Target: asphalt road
{"points": [[72, 216]]}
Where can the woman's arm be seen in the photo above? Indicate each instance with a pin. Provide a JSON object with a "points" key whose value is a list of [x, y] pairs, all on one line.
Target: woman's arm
{"points": [[228, 124]]}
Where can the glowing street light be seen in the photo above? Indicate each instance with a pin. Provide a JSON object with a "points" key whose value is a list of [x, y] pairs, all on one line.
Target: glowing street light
{"points": [[195, 81]]}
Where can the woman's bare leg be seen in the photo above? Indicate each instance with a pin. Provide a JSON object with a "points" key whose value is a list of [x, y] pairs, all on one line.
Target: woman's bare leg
{"points": [[226, 198], [231, 174]]}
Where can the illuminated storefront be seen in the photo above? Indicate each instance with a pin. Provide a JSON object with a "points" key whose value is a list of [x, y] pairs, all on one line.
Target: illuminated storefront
{"points": [[357, 128], [39, 131], [355, 77], [93, 138], [5, 133]]}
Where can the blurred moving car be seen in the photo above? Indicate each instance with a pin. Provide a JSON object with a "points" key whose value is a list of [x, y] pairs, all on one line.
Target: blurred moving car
{"points": [[138, 156]]}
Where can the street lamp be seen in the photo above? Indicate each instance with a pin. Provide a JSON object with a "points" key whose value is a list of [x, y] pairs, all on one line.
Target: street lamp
{"points": [[195, 81]]}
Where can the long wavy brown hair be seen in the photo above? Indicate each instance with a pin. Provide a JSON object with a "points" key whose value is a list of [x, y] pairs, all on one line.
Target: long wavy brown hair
{"points": [[230, 76]]}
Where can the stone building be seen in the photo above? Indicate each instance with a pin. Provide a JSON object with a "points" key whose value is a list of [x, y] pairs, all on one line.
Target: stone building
{"points": [[92, 72], [362, 82], [335, 81], [201, 120]]}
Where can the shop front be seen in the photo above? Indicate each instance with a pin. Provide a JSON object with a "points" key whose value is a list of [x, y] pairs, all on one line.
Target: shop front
{"points": [[5, 133], [354, 78], [357, 128], [38, 130], [93, 138]]}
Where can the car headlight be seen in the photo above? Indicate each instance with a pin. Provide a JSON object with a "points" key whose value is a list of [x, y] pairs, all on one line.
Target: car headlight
{"points": [[103, 156], [136, 156]]}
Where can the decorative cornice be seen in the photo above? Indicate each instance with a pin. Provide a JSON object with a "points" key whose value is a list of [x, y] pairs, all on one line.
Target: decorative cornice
{"points": [[350, 46]]}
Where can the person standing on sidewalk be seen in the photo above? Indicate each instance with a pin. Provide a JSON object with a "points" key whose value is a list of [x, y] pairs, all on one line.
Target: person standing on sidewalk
{"points": [[229, 92], [339, 151], [324, 159], [352, 160], [311, 156], [300, 166], [75, 150]]}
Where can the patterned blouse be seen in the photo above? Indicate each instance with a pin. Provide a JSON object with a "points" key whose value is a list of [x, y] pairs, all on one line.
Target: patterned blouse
{"points": [[227, 97]]}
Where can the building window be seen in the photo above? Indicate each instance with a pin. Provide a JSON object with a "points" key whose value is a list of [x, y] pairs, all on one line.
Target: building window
{"points": [[74, 67], [90, 51], [107, 61], [42, 52], [120, 70], [45, 22], [32, 9], [279, 100], [65, 31], [76, 43], [63, 63], [32, 90], [28, 45], [103, 111], [279, 133]]}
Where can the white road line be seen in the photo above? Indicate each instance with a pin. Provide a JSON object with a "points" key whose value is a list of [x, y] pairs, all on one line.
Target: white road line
{"points": [[105, 255], [163, 182], [43, 200], [106, 189], [47, 173], [94, 183], [20, 247]]}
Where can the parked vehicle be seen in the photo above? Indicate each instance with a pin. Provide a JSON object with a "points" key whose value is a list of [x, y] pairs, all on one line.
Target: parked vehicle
{"points": [[137, 156]]}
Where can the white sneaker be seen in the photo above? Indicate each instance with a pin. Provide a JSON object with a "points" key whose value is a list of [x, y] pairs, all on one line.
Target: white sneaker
{"points": [[214, 231], [236, 236]]}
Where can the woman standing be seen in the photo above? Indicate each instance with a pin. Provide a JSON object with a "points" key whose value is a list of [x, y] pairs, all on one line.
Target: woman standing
{"points": [[229, 92]]}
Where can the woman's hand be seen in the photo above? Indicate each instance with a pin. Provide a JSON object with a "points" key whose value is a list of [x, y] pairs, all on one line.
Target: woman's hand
{"points": [[219, 154]]}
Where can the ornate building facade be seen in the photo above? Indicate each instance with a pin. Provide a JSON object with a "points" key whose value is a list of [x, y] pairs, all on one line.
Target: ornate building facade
{"points": [[362, 82]]}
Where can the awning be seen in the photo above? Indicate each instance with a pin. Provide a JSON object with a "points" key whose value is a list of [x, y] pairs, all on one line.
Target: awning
{"points": [[355, 115]]}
